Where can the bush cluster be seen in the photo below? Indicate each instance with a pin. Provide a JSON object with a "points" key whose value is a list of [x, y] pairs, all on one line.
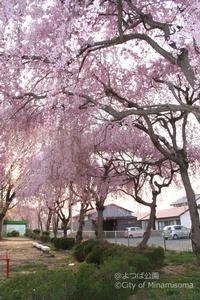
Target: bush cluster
{"points": [[59, 243], [36, 231], [63, 243], [102, 260], [97, 252], [33, 234], [13, 233], [36, 235]]}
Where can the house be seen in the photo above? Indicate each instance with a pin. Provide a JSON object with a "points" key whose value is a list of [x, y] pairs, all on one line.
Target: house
{"points": [[164, 217], [177, 215], [10, 225], [115, 217]]}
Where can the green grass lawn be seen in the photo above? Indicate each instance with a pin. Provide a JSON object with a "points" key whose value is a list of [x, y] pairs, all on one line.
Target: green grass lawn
{"points": [[180, 268]]}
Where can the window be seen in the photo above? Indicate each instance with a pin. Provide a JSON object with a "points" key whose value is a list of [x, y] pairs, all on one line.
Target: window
{"points": [[164, 223], [178, 227]]}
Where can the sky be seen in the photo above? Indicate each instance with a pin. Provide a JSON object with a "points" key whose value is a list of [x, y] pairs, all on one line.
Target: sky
{"points": [[169, 195]]}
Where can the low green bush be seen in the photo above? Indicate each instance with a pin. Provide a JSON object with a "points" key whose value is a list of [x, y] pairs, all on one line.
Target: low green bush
{"points": [[47, 233], [96, 255], [45, 238], [63, 243], [36, 231], [28, 232], [34, 236], [13, 233], [83, 249], [52, 240], [97, 252], [156, 256], [99, 283]]}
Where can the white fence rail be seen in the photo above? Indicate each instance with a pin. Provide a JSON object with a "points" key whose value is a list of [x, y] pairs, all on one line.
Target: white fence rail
{"points": [[156, 239]]}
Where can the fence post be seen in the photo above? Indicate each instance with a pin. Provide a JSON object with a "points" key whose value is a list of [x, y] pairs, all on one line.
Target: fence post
{"points": [[164, 240], [7, 265], [115, 237], [128, 241]]}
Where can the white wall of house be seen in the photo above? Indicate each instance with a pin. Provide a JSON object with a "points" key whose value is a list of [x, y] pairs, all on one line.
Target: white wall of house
{"points": [[21, 228], [161, 223], [185, 219]]}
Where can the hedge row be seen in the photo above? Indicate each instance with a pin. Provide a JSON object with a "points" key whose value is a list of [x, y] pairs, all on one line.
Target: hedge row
{"points": [[13, 233], [59, 243], [35, 235]]}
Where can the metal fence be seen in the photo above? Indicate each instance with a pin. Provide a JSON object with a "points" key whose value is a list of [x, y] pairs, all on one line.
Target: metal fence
{"points": [[156, 239]]}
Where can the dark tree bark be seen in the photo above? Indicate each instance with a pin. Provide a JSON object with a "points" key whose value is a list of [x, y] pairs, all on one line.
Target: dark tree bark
{"points": [[193, 209], [100, 209], [151, 223], [55, 221], [1, 226], [79, 234], [65, 221], [40, 225], [49, 218], [65, 226], [6, 199]]}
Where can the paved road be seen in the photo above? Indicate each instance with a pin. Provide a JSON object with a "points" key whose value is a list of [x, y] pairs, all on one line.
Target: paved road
{"points": [[177, 245]]}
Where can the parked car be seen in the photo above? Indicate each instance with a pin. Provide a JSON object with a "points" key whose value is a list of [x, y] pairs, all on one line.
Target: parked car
{"points": [[132, 232], [176, 232]]}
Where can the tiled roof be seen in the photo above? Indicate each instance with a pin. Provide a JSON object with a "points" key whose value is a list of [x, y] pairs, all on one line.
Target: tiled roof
{"points": [[167, 213], [183, 200], [111, 211]]}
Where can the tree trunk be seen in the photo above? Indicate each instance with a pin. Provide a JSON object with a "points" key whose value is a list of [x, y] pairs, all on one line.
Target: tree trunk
{"points": [[48, 223], [100, 209], [79, 234], [55, 225], [1, 226], [65, 225], [40, 225], [194, 215], [150, 224]]}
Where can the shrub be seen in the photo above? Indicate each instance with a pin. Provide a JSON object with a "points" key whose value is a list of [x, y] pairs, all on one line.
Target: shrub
{"points": [[47, 233], [92, 250], [83, 249], [78, 253], [45, 238], [99, 283], [96, 254], [35, 236], [63, 243], [52, 240], [115, 250], [36, 231], [13, 233], [140, 263], [28, 232], [156, 256]]}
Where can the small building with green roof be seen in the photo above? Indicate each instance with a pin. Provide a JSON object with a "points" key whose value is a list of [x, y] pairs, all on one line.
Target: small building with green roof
{"points": [[12, 225]]}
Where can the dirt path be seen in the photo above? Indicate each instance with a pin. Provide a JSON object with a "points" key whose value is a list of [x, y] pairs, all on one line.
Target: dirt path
{"points": [[25, 258]]}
